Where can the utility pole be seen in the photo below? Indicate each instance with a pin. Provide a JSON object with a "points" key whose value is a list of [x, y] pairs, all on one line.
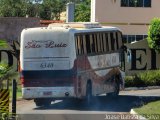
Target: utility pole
{"points": [[70, 9]]}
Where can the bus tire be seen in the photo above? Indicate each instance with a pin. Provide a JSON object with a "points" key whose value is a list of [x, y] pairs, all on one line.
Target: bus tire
{"points": [[42, 102], [115, 93], [38, 102], [47, 102], [89, 93]]}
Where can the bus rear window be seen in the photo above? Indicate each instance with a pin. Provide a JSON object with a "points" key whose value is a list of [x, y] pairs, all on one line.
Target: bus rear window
{"points": [[98, 42]]}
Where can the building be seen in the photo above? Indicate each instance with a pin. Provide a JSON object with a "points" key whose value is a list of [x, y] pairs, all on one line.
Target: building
{"points": [[131, 16], [141, 58]]}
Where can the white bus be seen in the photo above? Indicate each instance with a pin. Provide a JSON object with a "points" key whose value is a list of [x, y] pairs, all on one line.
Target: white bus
{"points": [[78, 60]]}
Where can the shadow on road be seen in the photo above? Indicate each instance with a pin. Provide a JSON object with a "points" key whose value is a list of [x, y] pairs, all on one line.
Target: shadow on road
{"points": [[123, 103]]}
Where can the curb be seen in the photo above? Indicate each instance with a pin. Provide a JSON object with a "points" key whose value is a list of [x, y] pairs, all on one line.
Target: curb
{"points": [[141, 88], [19, 99], [137, 115]]}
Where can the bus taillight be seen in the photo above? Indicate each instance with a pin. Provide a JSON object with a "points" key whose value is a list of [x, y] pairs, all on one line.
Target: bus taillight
{"points": [[22, 79]]}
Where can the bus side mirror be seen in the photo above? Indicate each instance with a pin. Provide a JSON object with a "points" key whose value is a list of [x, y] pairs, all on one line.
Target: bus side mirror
{"points": [[129, 55], [124, 48]]}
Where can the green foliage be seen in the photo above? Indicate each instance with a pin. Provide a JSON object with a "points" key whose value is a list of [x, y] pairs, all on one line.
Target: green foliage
{"points": [[3, 67], [45, 11], [48, 9], [32, 10], [6, 72], [12, 8], [3, 70], [60, 7], [19, 89], [51, 9], [148, 78], [82, 12], [154, 34], [134, 81], [3, 43]]}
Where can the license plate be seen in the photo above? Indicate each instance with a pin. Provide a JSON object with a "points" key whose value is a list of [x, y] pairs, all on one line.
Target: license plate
{"points": [[47, 93]]}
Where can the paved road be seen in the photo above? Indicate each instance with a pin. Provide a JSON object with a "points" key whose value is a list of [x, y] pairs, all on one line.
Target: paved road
{"points": [[102, 107]]}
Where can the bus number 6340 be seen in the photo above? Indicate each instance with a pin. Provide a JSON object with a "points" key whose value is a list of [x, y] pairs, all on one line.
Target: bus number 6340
{"points": [[47, 65]]}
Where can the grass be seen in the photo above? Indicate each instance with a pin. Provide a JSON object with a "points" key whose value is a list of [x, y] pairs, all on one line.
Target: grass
{"points": [[150, 111], [143, 79], [19, 92]]}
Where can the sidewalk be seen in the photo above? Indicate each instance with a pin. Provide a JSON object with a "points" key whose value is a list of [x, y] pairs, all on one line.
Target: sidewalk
{"points": [[141, 88]]}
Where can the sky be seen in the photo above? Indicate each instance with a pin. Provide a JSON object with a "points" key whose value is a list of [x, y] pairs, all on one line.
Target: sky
{"points": [[37, 1]]}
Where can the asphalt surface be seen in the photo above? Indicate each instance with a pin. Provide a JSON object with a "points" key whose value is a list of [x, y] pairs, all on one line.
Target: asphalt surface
{"points": [[101, 108]]}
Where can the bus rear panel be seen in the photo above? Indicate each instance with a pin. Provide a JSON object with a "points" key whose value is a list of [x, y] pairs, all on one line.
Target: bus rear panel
{"points": [[47, 63]]}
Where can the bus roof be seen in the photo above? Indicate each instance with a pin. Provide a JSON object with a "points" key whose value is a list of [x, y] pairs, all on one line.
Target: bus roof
{"points": [[77, 27], [86, 25], [80, 27]]}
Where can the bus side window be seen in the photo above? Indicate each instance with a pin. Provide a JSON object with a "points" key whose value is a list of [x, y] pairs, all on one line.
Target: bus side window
{"points": [[101, 42], [106, 35], [104, 42], [84, 44], [81, 44], [112, 41], [117, 40], [92, 43], [98, 43], [78, 46], [88, 46], [109, 41]]}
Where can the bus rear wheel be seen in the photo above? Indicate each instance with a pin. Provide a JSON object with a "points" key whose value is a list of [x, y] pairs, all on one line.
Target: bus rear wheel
{"points": [[116, 90], [115, 93], [42, 102], [89, 93]]}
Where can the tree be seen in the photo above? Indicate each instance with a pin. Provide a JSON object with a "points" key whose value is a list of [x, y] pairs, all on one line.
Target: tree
{"points": [[51, 9], [154, 34], [32, 9], [46, 9], [61, 6], [13, 8], [82, 12], [6, 72], [19, 8], [3, 67]]}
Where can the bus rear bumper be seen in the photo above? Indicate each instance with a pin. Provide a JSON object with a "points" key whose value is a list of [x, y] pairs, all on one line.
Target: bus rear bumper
{"points": [[47, 92]]}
